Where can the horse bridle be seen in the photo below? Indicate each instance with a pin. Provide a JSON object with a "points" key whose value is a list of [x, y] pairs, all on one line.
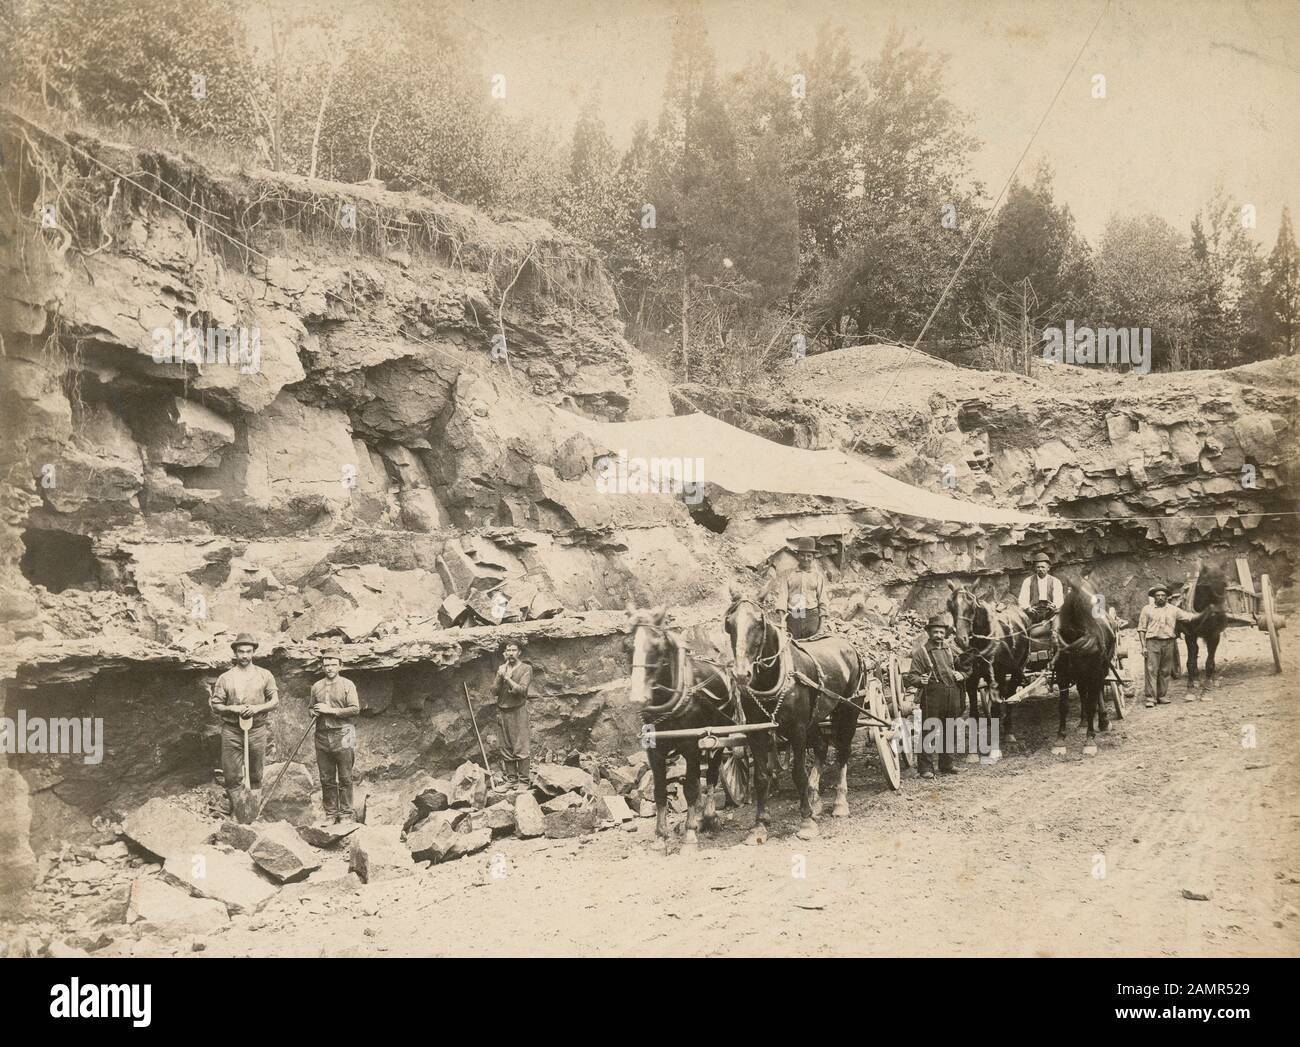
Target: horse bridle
{"points": [[680, 694]]}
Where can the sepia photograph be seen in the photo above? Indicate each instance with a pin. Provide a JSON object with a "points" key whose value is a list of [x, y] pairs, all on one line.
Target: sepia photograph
{"points": [[650, 479]]}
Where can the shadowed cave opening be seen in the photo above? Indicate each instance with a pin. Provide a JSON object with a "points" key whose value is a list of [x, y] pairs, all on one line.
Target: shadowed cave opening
{"points": [[58, 560]]}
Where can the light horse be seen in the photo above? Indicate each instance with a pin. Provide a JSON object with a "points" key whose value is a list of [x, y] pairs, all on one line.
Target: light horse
{"points": [[994, 646], [677, 691], [796, 685]]}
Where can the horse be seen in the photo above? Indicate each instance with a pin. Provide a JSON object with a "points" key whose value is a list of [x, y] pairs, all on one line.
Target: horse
{"points": [[695, 694], [994, 648], [1207, 599], [1083, 659], [796, 685]]}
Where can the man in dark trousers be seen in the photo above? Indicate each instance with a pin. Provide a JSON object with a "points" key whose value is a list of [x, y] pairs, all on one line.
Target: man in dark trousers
{"points": [[334, 703], [512, 683], [801, 592], [934, 668], [244, 690]]}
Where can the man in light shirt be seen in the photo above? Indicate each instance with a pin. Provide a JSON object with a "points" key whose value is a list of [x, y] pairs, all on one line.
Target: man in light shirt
{"points": [[1156, 635], [1041, 595], [334, 702], [801, 592], [245, 690]]}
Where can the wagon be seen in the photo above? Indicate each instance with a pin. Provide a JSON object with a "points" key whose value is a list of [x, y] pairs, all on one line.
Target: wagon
{"points": [[883, 701], [1244, 605]]}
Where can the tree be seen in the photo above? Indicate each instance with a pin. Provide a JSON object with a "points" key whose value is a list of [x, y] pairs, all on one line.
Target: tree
{"points": [[1144, 280], [1281, 295], [1225, 279]]}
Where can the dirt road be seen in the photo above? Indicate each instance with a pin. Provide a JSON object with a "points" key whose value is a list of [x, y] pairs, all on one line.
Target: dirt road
{"points": [[1038, 855]]}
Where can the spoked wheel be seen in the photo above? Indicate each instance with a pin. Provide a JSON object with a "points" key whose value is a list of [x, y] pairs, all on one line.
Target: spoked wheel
{"points": [[884, 737], [902, 724], [1271, 621], [737, 776], [1114, 694]]}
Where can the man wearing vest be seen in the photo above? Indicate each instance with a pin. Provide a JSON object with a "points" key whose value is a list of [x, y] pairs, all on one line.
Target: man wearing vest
{"points": [[934, 669], [334, 703], [1041, 595], [512, 683], [801, 592], [246, 690]]}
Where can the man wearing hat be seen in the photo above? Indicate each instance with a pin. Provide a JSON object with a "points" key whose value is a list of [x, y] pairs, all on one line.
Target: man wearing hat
{"points": [[512, 682], [801, 592], [244, 690], [334, 703], [1156, 635], [934, 669], [1041, 594]]}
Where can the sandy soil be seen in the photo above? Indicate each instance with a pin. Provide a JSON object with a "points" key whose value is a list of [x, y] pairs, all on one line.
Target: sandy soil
{"points": [[1038, 855]]}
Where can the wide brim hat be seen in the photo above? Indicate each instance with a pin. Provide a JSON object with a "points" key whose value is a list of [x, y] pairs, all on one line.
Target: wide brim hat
{"points": [[938, 621], [804, 545], [243, 640], [1159, 587], [1042, 558]]}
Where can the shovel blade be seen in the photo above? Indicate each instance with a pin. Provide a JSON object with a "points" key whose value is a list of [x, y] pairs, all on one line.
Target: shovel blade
{"points": [[243, 805]]}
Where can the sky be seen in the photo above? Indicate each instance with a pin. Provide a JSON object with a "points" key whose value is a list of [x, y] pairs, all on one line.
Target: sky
{"points": [[1196, 91]]}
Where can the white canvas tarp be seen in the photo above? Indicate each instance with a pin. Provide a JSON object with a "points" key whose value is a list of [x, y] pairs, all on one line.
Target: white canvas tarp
{"points": [[738, 462]]}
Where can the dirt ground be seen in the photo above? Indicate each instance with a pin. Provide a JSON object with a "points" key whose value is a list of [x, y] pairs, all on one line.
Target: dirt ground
{"points": [[1037, 855]]}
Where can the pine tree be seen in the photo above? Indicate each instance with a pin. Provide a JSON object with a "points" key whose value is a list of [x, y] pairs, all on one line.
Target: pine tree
{"points": [[1281, 295]]}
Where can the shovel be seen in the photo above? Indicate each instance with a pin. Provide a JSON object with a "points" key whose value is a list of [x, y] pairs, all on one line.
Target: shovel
{"points": [[242, 799]]}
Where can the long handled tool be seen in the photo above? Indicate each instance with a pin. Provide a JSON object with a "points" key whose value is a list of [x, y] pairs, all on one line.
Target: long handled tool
{"points": [[492, 778], [267, 795], [245, 722]]}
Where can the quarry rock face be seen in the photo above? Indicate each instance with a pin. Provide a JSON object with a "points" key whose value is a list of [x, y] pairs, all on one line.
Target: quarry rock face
{"points": [[339, 460]]}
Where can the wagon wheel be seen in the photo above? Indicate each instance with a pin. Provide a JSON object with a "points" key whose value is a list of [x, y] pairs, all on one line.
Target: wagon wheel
{"points": [[737, 776], [882, 736], [904, 723], [1114, 693], [1270, 620]]}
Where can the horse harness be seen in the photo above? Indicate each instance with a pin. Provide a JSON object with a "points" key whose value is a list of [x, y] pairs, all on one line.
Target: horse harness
{"points": [[790, 676]]}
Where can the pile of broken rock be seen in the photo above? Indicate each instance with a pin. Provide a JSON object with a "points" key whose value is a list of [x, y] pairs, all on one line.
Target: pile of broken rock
{"points": [[172, 872]]}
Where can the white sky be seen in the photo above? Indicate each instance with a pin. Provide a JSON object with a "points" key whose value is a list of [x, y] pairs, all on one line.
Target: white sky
{"points": [[1197, 90]]}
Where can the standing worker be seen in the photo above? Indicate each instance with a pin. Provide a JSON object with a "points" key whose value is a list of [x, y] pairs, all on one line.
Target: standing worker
{"points": [[334, 703], [801, 592], [1156, 636], [512, 682], [243, 691], [934, 668]]}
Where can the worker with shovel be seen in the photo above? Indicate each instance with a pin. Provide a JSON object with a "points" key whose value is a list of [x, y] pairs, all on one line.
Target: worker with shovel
{"points": [[243, 698], [334, 703]]}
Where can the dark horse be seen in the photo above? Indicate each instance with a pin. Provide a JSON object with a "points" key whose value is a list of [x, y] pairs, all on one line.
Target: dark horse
{"points": [[994, 646], [1083, 659], [1208, 601], [794, 684], [676, 691]]}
